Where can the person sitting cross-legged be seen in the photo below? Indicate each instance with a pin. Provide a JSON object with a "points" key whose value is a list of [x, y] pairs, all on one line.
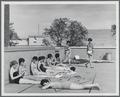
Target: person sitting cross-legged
{"points": [[18, 78]]}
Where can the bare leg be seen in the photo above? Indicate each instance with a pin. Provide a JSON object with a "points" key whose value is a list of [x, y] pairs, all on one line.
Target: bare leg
{"points": [[90, 60], [27, 81], [87, 86]]}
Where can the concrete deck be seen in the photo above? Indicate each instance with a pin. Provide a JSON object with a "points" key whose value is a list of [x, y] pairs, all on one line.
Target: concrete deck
{"points": [[105, 76]]}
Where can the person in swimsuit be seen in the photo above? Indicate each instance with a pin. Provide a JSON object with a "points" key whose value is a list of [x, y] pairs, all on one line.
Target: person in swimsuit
{"points": [[57, 59], [15, 77], [67, 52], [46, 84], [33, 66], [90, 51], [22, 66], [43, 68], [41, 64], [50, 61]]}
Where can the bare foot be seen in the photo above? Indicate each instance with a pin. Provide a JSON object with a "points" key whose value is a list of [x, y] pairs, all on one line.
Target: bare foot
{"points": [[96, 87], [91, 67]]}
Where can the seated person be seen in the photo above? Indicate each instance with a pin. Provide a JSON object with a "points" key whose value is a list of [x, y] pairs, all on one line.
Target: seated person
{"points": [[57, 58], [46, 84], [52, 69], [22, 66], [49, 70], [15, 77], [42, 67], [72, 70], [41, 64], [50, 61], [33, 66]]}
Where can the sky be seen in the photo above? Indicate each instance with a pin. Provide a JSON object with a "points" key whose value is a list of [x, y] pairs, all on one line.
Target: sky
{"points": [[27, 17]]}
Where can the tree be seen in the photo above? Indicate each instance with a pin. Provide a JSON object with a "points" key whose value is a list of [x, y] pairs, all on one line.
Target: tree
{"points": [[57, 30], [113, 29], [66, 29], [12, 34], [46, 42], [78, 33]]}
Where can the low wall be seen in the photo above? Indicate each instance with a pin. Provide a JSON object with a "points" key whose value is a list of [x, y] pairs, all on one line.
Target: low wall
{"points": [[98, 54], [27, 52]]}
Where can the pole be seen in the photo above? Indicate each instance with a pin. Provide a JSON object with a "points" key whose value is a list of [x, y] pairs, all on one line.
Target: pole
{"points": [[38, 29]]}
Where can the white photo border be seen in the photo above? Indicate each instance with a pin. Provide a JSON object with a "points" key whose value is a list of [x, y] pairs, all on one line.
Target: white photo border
{"points": [[59, 2]]}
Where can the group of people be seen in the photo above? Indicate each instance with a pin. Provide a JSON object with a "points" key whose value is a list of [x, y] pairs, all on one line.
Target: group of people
{"points": [[39, 66], [47, 65], [16, 75], [89, 52]]}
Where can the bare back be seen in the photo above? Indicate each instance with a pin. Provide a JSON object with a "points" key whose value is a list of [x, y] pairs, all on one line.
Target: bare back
{"points": [[60, 85]]}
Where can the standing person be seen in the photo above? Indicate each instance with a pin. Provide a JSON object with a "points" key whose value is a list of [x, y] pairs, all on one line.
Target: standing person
{"points": [[67, 52], [15, 77], [90, 51]]}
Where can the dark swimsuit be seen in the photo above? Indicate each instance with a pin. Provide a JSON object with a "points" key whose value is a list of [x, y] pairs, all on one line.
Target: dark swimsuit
{"points": [[15, 80], [42, 68]]}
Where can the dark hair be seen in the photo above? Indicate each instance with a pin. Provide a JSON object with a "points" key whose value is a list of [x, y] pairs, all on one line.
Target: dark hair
{"points": [[35, 58], [72, 68], [67, 42], [89, 39], [13, 63], [41, 57], [57, 55], [21, 60], [49, 55], [43, 81]]}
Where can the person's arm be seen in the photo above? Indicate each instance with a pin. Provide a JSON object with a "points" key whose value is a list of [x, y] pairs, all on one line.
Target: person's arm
{"points": [[48, 62], [92, 48], [12, 77], [38, 67], [52, 61], [87, 48], [46, 86]]}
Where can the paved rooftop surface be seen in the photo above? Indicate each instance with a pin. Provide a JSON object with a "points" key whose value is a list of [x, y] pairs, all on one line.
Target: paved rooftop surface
{"points": [[105, 77]]}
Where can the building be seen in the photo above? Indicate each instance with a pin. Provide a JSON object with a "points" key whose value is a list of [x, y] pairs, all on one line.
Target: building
{"points": [[16, 42], [35, 40]]}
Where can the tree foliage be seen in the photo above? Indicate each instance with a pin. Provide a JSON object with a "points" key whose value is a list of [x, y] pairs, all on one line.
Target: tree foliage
{"points": [[66, 29], [13, 34], [77, 33], [46, 42]]}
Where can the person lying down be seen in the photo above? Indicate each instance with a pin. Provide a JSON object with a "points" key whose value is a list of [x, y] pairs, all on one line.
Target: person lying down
{"points": [[57, 74], [46, 84], [53, 70]]}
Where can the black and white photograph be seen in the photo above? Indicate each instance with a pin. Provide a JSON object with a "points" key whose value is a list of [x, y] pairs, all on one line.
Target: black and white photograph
{"points": [[60, 48]]}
